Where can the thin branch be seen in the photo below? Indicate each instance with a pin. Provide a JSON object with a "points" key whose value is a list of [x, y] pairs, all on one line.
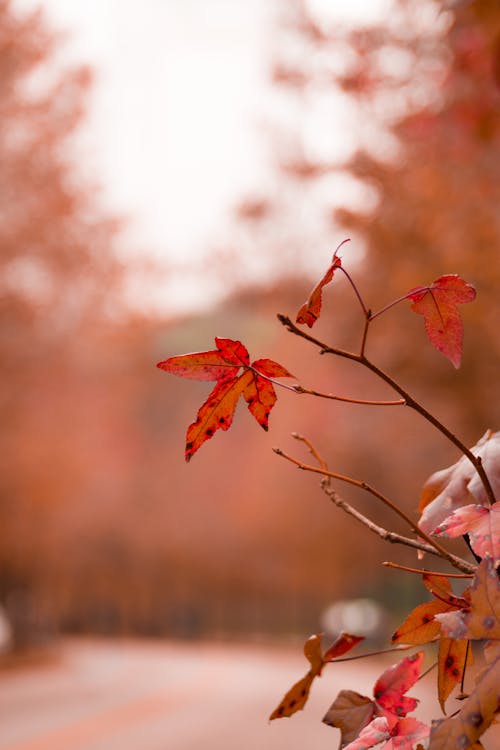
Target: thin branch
{"points": [[392, 304], [452, 559], [312, 450], [297, 388], [411, 402], [371, 653], [356, 291], [300, 389], [365, 333], [427, 572], [387, 536], [427, 671]]}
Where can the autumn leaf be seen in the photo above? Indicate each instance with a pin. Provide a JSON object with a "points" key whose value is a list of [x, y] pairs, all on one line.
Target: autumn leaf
{"points": [[373, 734], [481, 523], [476, 713], [351, 712], [389, 690], [458, 485], [296, 698], [311, 309], [421, 626], [481, 619], [224, 365], [438, 304], [408, 734], [440, 587], [452, 659]]}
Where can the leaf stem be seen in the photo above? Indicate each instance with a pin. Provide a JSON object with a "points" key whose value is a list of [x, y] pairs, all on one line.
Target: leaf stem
{"points": [[393, 304], [356, 291], [371, 653]]}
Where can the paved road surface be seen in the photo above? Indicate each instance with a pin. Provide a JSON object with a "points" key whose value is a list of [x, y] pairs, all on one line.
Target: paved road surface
{"points": [[136, 695]]}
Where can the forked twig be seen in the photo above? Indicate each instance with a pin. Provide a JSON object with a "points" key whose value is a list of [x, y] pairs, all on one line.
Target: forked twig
{"points": [[457, 562], [409, 400]]}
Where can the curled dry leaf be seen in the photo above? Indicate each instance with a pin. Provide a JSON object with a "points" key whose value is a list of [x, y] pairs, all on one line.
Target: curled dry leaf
{"points": [[224, 365], [350, 712], [458, 485], [311, 309], [438, 304], [298, 694]]}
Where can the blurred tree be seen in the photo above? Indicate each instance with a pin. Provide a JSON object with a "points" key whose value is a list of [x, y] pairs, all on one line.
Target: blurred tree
{"points": [[58, 274]]}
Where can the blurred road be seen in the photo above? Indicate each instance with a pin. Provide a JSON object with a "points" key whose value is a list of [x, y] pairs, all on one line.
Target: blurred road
{"points": [[141, 695]]}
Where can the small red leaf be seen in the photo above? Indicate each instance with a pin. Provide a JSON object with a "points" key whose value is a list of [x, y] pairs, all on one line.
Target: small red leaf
{"points": [[344, 643], [311, 309], [390, 688], [223, 364], [438, 304]]}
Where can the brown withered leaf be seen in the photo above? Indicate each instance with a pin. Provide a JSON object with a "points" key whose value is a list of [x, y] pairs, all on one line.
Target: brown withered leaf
{"points": [[481, 620], [451, 664], [296, 698], [350, 712], [459, 485], [475, 715]]}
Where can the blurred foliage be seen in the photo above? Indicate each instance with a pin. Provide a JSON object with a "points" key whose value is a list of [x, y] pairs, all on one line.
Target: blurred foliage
{"points": [[102, 525]]}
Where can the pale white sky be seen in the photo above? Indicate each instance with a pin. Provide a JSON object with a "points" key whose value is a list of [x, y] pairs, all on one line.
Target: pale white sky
{"points": [[181, 86]]}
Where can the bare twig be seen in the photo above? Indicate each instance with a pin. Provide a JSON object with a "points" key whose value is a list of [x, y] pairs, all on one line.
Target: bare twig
{"points": [[427, 572], [452, 559], [372, 653]]}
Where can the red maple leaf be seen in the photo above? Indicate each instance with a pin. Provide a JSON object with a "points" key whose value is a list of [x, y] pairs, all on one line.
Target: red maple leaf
{"points": [[230, 366], [438, 304]]}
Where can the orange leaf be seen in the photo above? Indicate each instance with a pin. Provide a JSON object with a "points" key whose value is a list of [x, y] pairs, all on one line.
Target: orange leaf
{"points": [[420, 625], [481, 620], [311, 309], [440, 587], [438, 304], [475, 715], [451, 664], [298, 694]]}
